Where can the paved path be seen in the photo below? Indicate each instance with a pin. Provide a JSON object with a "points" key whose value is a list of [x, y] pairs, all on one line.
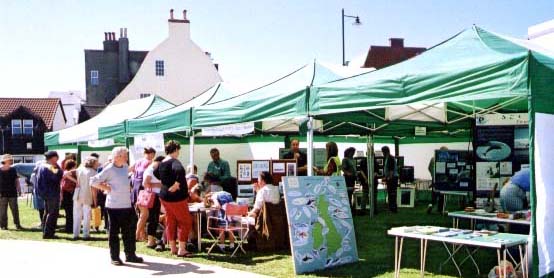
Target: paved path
{"points": [[21, 258]]}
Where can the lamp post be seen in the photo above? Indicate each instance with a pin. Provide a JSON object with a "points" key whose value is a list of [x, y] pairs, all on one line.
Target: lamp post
{"points": [[356, 22]]}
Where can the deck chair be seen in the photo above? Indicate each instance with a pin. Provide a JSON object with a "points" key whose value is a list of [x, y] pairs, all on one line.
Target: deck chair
{"points": [[235, 221]]}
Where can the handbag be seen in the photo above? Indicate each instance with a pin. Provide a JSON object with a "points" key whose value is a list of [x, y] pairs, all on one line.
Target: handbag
{"points": [[146, 198], [96, 217]]}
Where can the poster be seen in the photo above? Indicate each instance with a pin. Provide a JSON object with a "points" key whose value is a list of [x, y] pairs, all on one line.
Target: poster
{"points": [[451, 171], [291, 169], [320, 223], [259, 166], [488, 175], [245, 172], [279, 167]]}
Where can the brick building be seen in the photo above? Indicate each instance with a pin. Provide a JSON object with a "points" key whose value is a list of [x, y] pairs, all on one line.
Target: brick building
{"points": [[23, 122], [382, 56], [108, 72]]}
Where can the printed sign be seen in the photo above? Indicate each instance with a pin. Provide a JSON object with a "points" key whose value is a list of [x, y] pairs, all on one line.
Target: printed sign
{"points": [[259, 166], [320, 222]]}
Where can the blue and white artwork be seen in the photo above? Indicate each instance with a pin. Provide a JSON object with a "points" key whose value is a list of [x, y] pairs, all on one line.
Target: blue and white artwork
{"points": [[320, 222]]}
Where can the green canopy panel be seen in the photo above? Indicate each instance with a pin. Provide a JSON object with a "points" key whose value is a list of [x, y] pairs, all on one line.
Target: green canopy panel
{"points": [[109, 123], [177, 118], [285, 98]]}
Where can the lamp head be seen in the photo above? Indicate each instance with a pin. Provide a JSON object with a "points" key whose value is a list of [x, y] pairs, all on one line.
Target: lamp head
{"points": [[357, 21]]}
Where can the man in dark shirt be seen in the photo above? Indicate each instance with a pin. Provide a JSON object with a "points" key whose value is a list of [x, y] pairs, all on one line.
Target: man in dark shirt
{"points": [[301, 158], [390, 178], [48, 188], [8, 193]]}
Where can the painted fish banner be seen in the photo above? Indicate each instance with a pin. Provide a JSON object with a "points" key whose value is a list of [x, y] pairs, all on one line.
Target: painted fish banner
{"points": [[320, 222]]}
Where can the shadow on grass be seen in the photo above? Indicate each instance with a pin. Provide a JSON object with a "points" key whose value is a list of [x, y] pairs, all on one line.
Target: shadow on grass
{"points": [[170, 269], [248, 259]]}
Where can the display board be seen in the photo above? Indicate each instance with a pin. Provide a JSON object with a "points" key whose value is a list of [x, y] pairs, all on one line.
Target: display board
{"points": [[454, 170], [248, 170], [501, 146], [379, 165], [320, 223]]}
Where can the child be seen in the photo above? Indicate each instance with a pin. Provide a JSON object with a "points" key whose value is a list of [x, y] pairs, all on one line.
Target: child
{"points": [[219, 201]]}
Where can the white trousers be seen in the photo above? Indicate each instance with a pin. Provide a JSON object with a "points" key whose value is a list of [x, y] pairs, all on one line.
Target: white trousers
{"points": [[81, 212]]}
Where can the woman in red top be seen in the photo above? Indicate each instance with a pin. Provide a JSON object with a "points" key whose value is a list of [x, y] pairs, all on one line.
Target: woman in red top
{"points": [[68, 184]]}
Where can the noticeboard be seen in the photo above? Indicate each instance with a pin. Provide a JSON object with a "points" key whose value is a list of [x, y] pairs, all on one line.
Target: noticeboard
{"points": [[453, 170]]}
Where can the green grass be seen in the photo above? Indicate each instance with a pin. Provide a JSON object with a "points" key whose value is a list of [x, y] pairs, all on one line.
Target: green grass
{"points": [[375, 249]]}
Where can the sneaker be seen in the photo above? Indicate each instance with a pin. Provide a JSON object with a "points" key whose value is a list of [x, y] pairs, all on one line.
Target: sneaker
{"points": [[221, 248], [134, 259], [117, 262]]}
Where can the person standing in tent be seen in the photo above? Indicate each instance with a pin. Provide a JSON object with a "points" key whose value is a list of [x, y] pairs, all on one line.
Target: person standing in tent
{"points": [[436, 197], [123, 219], [333, 166], [349, 172], [49, 178], [301, 158], [390, 178], [138, 169]]}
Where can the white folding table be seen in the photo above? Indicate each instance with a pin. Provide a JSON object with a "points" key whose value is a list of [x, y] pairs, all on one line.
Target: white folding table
{"points": [[501, 242]]}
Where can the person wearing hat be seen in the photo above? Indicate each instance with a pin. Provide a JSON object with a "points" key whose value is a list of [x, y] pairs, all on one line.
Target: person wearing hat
{"points": [[48, 188], [8, 193]]}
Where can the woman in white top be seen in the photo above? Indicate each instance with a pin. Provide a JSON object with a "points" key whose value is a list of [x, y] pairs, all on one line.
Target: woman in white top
{"points": [[83, 197], [150, 181], [265, 192]]}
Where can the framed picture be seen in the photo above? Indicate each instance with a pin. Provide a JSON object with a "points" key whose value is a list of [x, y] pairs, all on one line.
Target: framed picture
{"points": [[291, 169], [380, 161], [245, 172], [279, 167], [259, 166]]}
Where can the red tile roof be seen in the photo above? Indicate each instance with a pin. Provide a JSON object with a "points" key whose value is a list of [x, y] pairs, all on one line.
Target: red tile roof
{"points": [[43, 107], [383, 56]]}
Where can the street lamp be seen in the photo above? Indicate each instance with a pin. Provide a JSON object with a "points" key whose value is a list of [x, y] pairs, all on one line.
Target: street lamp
{"points": [[356, 22]]}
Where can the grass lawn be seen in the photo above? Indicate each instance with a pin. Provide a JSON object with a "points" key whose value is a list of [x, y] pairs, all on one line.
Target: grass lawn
{"points": [[375, 248]]}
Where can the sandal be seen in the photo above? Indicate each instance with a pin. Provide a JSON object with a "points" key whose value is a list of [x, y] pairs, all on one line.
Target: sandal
{"points": [[185, 255]]}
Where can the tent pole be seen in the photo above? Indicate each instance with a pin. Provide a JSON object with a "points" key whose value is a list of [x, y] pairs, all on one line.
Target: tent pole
{"points": [[370, 175], [309, 148], [396, 146], [191, 147]]}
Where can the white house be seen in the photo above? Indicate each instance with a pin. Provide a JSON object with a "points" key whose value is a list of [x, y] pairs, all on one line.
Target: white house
{"points": [[72, 102], [176, 70], [542, 34]]}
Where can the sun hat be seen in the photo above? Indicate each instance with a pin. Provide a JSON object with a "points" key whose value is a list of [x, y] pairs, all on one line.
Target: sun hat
{"points": [[6, 157]]}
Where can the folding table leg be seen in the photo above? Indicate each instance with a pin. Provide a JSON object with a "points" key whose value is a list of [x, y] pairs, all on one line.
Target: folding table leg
{"points": [[397, 256], [423, 255]]}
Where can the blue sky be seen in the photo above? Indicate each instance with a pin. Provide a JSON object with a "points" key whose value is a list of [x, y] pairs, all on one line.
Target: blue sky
{"points": [[253, 41]]}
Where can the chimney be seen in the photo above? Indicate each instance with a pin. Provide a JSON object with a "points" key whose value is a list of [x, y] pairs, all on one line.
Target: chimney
{"points": [[396, 42], [123, 58], [179, 28], [110, 44]]}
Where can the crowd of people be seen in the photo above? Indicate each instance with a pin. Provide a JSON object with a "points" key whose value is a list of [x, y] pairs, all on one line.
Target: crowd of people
{"points": [[148, 201]]}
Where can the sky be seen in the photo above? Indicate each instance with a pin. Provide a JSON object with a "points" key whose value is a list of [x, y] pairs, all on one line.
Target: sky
{"points": [[254, 42]]}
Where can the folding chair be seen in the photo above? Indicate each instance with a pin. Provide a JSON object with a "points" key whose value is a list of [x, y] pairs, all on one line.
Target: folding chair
{"points": [[234, 221]]}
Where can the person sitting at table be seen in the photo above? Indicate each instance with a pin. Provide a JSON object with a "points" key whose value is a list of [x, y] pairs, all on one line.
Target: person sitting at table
{"points": [[211, 183], [192, 176], [265, 192], [219, 201], [512, 194], [194, 198]]}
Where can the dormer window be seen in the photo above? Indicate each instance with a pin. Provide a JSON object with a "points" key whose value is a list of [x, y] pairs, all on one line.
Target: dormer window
{"points": [[22, 127], [160, 69]]}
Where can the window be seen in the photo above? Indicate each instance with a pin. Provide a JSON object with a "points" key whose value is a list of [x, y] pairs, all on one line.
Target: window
{"points": [[28, 127], [17, 159], [28, 159], [160, 68], [94, 77], [16, 127], [145, 95]]}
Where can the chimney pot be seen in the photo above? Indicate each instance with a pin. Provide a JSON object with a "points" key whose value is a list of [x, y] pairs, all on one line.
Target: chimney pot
{"points": [[171, 14], [185, 14], [125, 32], [113, 36], [120, 32], [105, 36]]}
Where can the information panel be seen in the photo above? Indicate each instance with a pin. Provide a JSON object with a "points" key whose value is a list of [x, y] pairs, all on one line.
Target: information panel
{"points": [[320, 222]]}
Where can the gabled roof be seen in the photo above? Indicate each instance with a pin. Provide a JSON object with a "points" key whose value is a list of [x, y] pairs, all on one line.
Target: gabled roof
{"points": [[45, 108]]}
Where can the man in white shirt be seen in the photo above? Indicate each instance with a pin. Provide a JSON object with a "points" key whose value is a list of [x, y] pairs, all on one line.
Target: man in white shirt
{"points": [[266, 192]]}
